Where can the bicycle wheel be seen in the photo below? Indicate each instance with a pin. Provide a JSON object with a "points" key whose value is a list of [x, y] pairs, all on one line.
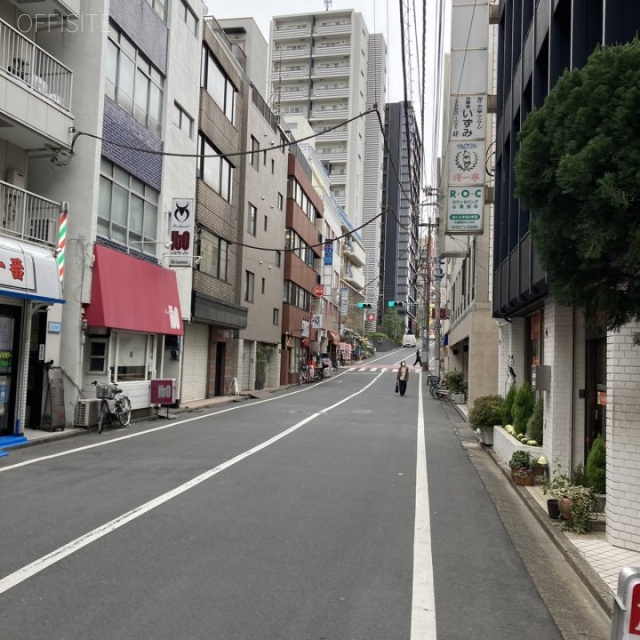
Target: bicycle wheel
{"points": [[103, 414], [432, 390], [123, 409]]}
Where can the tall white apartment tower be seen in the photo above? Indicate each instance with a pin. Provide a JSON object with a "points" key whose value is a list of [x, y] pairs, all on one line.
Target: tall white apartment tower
{"points": [[326, 67]]}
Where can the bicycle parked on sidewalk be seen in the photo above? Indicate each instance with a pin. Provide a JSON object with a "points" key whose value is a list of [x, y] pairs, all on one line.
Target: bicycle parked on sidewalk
{"points": [[114, 403], [437, 388]]}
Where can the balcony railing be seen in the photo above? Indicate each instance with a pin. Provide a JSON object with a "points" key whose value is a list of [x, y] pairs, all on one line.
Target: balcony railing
{"points": [[236, 50], [31, 64], [28, 216]]}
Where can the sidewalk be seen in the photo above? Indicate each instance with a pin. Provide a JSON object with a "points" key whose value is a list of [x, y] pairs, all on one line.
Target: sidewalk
{"points": [[594, 559]]}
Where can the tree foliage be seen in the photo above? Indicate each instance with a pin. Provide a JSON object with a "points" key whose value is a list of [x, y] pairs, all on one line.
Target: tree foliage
{"points": [[578, 171], [393, 324]]}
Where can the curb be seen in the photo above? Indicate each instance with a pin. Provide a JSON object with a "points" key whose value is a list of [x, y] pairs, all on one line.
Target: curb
{"points": [[597, 587]]}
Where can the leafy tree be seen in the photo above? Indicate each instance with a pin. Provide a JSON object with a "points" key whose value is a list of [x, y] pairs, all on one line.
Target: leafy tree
{"points": [[507, 407], [523, 406], [578, 171], [596, 469], [393, 324]]}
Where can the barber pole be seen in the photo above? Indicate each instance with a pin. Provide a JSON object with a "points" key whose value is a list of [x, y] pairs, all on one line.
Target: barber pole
{"points": [[62, 244]]}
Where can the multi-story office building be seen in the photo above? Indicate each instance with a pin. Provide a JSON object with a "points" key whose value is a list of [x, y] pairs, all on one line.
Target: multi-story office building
{"points": [[400, 232], [116, 80], [591, 386], [327, 68], [304, 209]]}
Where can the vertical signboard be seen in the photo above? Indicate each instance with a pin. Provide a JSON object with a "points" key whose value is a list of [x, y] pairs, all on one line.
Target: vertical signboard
{"points": [[181, 229], [466, 164]]}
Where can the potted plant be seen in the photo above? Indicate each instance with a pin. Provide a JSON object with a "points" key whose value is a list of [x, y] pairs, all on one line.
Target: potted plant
{"points": [[539, 466], [519, 460], [485, 414], [454, 383], [575, 501], [523, 476], [596, 470]]}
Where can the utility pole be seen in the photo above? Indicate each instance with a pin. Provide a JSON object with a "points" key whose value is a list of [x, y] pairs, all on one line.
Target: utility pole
{"points": [[426, 303], [436, 255]]}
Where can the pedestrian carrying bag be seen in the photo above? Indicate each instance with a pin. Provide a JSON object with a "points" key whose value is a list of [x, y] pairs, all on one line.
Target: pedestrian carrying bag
{"points": [[397, 387]]}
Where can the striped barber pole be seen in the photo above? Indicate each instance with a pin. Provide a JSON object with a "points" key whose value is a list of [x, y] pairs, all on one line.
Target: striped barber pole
{"points": [[62, 244]]}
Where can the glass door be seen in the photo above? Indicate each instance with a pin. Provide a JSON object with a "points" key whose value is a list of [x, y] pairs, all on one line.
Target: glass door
{"points": [[9, 318]]}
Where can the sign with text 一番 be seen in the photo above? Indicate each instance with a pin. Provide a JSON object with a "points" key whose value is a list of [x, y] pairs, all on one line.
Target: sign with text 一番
{"points": [[466, 162], [465, 208]]}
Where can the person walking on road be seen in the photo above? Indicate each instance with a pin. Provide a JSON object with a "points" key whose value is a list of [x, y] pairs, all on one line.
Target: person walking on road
{"points": [[418, 358], [402, 377]]}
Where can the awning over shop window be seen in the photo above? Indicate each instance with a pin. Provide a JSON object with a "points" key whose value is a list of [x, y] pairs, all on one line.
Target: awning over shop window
{"points": [[333, 337], [134, 295], [28, 271]]}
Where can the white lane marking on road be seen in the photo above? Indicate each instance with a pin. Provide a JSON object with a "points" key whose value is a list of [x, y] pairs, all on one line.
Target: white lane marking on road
{"points": [[42, 563], [32, 569], [423, 606]]}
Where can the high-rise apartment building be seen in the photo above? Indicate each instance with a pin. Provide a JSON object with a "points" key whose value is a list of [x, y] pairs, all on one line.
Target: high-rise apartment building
{"points": [[326, 67], [401, 187]]}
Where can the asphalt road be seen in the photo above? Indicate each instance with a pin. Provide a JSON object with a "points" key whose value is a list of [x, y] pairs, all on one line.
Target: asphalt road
{"points": [[333, 511]]}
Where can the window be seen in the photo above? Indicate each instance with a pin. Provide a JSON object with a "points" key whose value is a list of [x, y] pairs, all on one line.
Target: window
{"points": [[214, 252], [218, 85], [133, 82], [160, 7], [187, 14], [132, 355], [255, 154], [273, 166], [280, 201], [278, 258], [266, 223], [127, 209], [276, 316], [248, 286], [263, 287], [182, 120], [296, 296], [264, 157], [98, 356], [251, 222], [215, 171]]}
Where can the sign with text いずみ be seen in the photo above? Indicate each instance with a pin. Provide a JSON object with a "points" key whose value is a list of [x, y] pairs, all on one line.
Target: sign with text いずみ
{"points": [[465, 209]]}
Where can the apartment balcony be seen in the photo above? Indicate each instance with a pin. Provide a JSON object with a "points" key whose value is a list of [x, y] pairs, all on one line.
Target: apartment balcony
{"points": [[49, 9], [353, 276], [288, 74], [27, 216], [341, 92], [35, 93], [338, 177], [343, 70], [333, 29], [332, 155], [355, 253], [284, 32], [329, 50], [294, 94], [290, 54], [329, 114], [335, 135]]}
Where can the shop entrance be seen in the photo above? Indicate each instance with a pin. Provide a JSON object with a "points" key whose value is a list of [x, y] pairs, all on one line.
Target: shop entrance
{"points": [[36, 373], [596, 390], [220, 366], [9, 359]]}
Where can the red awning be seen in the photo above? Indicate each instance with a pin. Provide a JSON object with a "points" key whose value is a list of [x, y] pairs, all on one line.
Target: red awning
{"points": [[131, 294]]}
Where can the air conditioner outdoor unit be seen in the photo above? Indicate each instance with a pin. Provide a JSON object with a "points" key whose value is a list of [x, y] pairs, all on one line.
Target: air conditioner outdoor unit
{"points": [[15, 177], [87, 413]]}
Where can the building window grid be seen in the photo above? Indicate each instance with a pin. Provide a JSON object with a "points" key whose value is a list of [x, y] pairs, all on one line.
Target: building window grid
{"points": [[276, 315], [214, 170], [296, 296], [214, 255], [183, 120], [160, 7], [189, 16], [252, 219], [128, 208], [248, 286], [218, 85]]}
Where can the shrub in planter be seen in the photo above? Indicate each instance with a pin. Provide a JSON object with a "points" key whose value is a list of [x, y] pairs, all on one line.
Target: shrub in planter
{"points": [[597, 466], [535, 426], [520, 459], [486, 412], [507, 407], [453, 381], [576, 500], [523, 406]]}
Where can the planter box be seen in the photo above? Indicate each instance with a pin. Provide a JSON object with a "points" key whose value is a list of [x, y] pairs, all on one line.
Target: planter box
{"points": [[486, 435], [457, 398], [504, 445]]}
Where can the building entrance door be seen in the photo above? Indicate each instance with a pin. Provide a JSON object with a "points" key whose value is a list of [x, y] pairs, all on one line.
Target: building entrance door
{"points": [[596, 391], [220, 366], [9, 358]]}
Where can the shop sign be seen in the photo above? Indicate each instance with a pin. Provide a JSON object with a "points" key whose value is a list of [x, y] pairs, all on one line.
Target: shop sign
{"points": [[465, 209], [328, 253], [317, 321], [163, 391], [466, 162], [305, 329], [344, 300], [181, 229], [16, 270], [468, 117]]}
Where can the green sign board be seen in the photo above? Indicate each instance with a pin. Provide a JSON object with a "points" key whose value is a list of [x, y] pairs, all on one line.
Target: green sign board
{"points": [[465, 209]]}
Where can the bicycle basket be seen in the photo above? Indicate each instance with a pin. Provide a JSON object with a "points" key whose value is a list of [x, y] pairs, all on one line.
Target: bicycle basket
{"points": [[106, 391]]}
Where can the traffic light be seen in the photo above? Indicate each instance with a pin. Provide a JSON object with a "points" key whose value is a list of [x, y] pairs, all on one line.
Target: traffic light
{"points": [[364, 305], [393, 304]]}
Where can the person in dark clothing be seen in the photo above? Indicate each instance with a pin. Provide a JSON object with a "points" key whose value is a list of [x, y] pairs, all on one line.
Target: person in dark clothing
{"points": [[418, 358], [402, 377]]}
